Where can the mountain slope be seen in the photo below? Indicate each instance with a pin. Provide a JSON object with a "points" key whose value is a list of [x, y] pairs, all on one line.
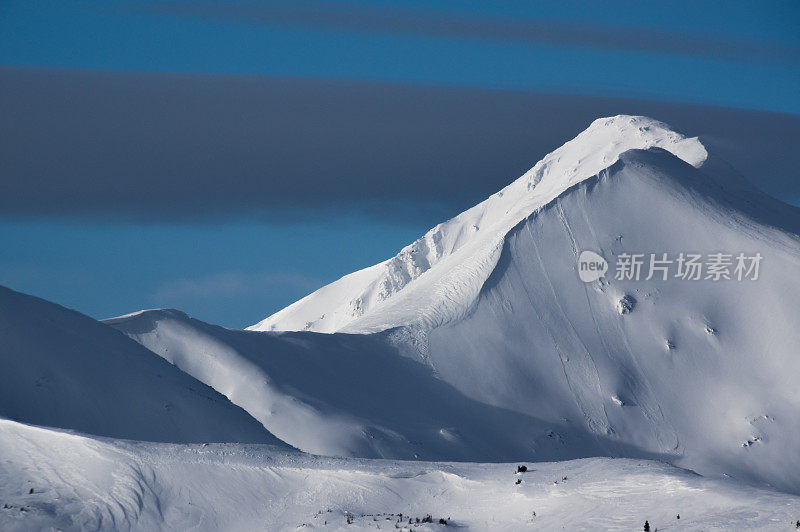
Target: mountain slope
{"points": [[445, 268], [699, 372], [86, 483], [64, 369], [351, 395]]}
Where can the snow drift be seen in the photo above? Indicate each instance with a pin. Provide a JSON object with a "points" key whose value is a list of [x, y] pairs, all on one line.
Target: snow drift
{"points": [[64, 369]]}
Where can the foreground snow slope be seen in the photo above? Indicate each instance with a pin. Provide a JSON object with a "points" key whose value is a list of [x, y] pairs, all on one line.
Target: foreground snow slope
{"points": [[85, 483], [352, 395], [63, 369]]}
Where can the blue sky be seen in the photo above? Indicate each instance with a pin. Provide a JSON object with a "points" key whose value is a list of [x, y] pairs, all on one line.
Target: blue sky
{"points": [[724, 53], [226, 158]]}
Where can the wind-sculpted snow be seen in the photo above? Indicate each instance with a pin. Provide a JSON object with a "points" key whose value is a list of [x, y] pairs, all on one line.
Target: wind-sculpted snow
{"points": [[446, 267], [63, 369], [52, 480]]}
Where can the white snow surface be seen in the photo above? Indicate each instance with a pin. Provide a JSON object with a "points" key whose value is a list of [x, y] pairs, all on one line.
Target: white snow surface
{"points": [[477, 343], [695, 370], [63, 369], [445, 269], [349, 395], [51, 480], [698, 373]]}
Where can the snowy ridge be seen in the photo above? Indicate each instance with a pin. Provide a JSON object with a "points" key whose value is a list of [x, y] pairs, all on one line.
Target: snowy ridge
{"points": [[63, 369], [394, 407], [194, 347], [450, 263]]}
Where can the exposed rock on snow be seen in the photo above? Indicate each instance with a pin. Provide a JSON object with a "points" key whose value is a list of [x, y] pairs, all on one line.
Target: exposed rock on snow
{"points": [[626, 304]]}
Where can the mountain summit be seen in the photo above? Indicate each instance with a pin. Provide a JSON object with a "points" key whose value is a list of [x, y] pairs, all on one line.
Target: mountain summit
{"points": [[698, 368], [438, 276]]}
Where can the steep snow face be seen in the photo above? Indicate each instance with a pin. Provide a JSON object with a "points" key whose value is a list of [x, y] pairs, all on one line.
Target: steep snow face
{"points": [[435, 279], [85, 483], [704, 371], [63, 369]]}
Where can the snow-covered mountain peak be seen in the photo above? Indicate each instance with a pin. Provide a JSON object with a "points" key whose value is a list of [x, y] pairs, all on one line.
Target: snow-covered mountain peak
{"points": [[600, 145], [467, 245], [691, 366]]}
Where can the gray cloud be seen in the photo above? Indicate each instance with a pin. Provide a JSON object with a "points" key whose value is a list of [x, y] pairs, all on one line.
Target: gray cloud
{"points": [[365, 17], [196, 147]]}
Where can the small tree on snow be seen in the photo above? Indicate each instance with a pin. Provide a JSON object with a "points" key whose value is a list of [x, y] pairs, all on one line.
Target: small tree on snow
{"points": [[646, 526]]}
